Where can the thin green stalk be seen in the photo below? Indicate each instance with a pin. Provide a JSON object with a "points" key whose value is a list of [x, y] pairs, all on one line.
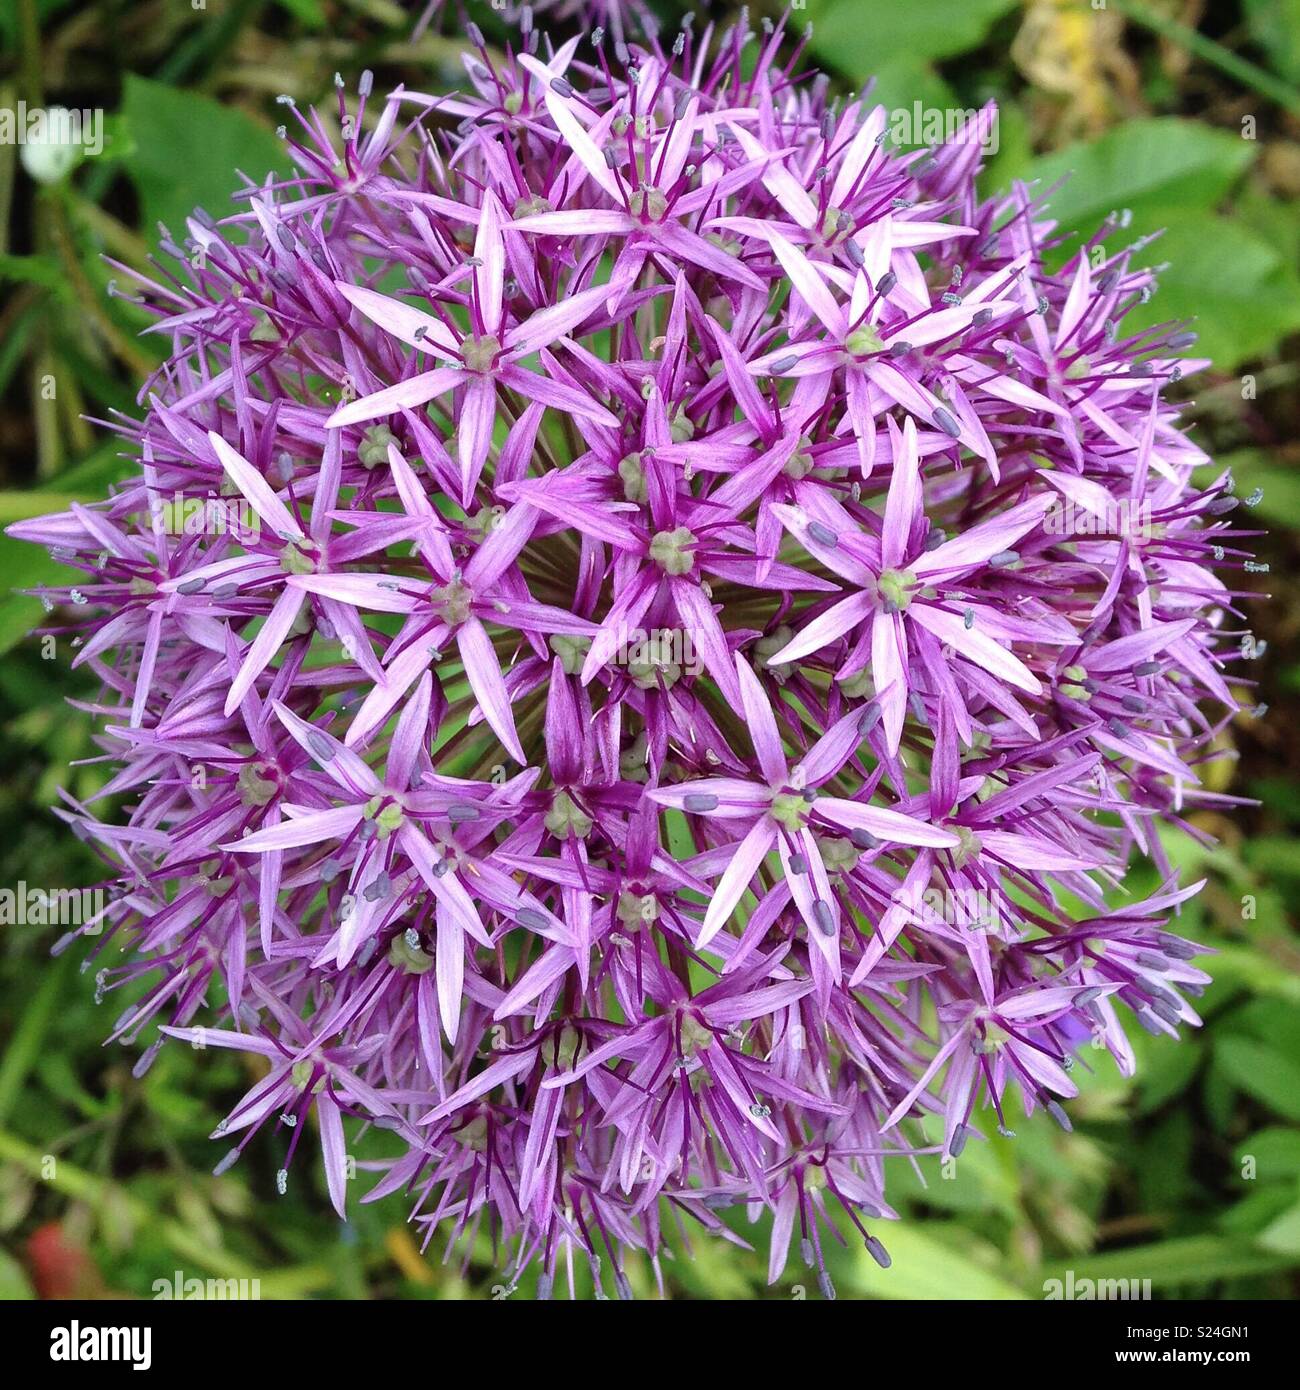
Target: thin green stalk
{"points": [[1240, 69]]}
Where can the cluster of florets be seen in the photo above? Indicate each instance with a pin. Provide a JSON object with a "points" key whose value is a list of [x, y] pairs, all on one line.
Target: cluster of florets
{"points": [[647, 626]]}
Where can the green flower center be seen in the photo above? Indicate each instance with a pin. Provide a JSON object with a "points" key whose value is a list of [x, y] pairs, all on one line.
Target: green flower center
{"points": [[387, 817], [632, 473], [682, 427], [993, 1038], [652, 660], [670, 550], [790, 809], [474, 1135], [255, 787], [858, 685], [1080, 367], [566, 817], [767, 647], [967, 849], [453, 602], [485, 521], [566, 1048], [1073, 688], [572, 651], [373, 449], [648, 203], [800, 463], [294, 560], [406, 954], [636, 909], [835, 223], [863, 342], [895, 586], [479, 354], [695, 1036], [837, 854], [302, 1074]]}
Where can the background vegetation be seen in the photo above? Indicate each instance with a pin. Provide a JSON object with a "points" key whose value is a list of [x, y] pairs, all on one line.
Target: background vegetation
{"points": [[1184, 112]]}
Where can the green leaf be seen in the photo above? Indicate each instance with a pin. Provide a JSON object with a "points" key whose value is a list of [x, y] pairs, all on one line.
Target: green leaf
{"points": [[42, 271], [308, 12], [25, 566], [1272, 1079], [1255, 1213], [1276, 1152], [19, 506], [1241, 965], [1237, 289], [1275, 27], [1163, 163], [189, 152], [861, 44], [1188, 1260], [1254, 468], [926, 1267], [1168, 1072], [1283, 1235], [902, 82], [14, 1286], [1235, 283]]}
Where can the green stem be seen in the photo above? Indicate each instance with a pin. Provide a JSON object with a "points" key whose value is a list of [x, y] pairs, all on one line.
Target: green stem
{"points": [[29, 43], [1242, 70]]}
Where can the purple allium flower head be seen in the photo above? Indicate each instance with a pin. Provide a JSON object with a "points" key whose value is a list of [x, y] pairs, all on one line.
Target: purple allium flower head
{"points": [[713, 614]]}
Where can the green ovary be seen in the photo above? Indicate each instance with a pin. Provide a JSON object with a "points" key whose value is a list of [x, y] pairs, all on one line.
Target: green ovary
{"points": [[670, 550], [294, 560], [895, 587], [453, 602], [479, 354], [566, 817], [790, 809], [387, 818], [863, 342]]}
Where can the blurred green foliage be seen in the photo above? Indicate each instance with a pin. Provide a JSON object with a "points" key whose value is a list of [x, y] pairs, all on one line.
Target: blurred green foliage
{"points": [[1181, 112]]}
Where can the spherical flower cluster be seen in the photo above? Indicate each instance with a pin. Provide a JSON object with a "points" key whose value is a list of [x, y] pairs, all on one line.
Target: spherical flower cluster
{"points": [[648, 623]]}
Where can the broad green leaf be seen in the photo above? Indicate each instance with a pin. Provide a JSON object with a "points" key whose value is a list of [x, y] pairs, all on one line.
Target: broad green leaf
{"points": [[926, 1267], [24, 566], [189, 151], [899, 85], [1169, 1263], [1272, 1022], [1244, 966], [1280, 503], [1275, 27], [1269, 1077], [14, 1286], [1271, 218], [19, 506], [1163, 163], [1168, 1072], [1283, 1234], [1236, 288], [1256, 1212], [859, 40]]}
